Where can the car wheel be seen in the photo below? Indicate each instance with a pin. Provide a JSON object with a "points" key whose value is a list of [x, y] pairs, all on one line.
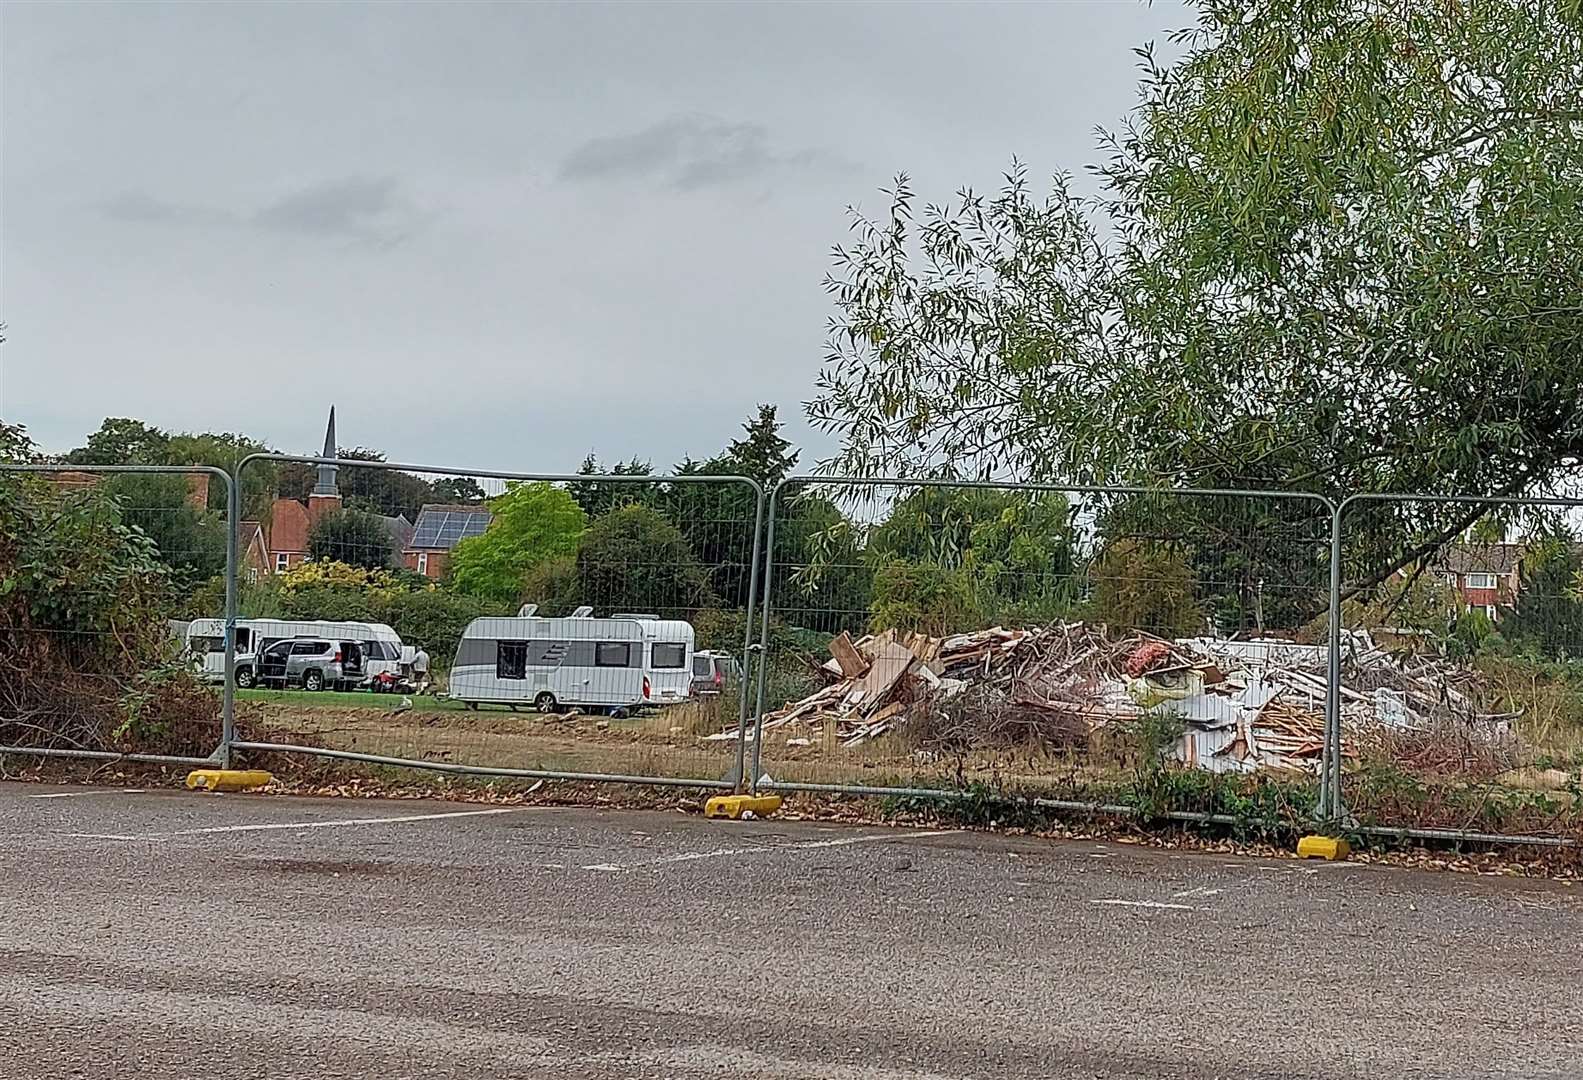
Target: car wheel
{"points": [[313, 680], [620, 714], [244, 678], [545, 702]]}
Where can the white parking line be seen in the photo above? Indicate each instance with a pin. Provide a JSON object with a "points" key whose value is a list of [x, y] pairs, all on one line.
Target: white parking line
{"points": [[807, 845], [282, 826], [276, 826], [80, 794], [1154, 905], [112, 836]]}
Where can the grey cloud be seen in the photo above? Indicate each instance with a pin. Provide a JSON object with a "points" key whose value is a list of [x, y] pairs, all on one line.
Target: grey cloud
{"points": [[686, 153], [142, 208], [574, 292], [363, 208], [370, 210]]}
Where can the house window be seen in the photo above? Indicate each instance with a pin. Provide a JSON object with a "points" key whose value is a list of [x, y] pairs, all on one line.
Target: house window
{"points": [[612, 654], [669, 655], [252, 575], [1481, 581], [1489, 609], [511, 660], [282, 561], [423, 562]]}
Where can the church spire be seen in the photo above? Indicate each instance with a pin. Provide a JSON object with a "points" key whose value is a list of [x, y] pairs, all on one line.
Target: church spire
{"points": [[326, 484]]}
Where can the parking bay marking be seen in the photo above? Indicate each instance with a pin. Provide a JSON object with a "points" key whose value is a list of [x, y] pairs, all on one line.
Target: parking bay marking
{"points": [[1153, 905], [808, 845], [278, 826], [80, 794]]}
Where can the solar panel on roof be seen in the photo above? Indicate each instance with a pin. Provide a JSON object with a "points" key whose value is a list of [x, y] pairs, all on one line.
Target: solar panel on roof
{"points": [[444, 528]]}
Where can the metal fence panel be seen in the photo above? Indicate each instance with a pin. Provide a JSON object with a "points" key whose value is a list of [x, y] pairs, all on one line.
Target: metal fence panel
{"points": [[499, 623], [1084, 646], [1462, 671], [1066, 643], [101, 567]]}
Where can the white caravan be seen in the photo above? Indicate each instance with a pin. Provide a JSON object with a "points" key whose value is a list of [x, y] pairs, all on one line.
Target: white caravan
{"points": [[378, 648], [613, 664]]}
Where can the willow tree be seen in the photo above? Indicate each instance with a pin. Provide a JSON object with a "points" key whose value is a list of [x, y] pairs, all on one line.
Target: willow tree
{"points": [[1337, 247]]}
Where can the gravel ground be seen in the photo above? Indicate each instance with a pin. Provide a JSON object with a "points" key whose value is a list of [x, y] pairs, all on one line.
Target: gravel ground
{"points": [[172, 934]]}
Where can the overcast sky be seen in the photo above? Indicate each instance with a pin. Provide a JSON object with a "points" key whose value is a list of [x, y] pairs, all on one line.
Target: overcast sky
{"points": [[493, 236]]}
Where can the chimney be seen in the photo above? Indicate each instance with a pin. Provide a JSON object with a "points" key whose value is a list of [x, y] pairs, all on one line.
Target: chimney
{"points": [[198, 491], [326, 495]]}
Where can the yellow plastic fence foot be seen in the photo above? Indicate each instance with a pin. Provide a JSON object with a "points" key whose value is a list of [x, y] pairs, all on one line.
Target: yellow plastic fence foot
{"points": [[227, 779], [1323, 847], [736, 806]]}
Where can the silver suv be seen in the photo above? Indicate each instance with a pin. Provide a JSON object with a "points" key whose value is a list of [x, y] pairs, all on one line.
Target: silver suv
{"points": [[712, 671], [311, 663]]}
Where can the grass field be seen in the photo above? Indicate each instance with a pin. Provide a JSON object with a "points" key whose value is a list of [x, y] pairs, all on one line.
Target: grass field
{"points": [[655, 742], [675, 742], [350, 699]]}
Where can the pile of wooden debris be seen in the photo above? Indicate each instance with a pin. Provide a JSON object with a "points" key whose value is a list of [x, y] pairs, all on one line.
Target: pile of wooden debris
{"points": [[1244, 705]]}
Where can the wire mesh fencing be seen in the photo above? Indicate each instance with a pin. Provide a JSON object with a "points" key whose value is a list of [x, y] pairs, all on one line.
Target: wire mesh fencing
{"points": [[1134, 648], [486, 621], [1462, 669], [1154, 652], [101, 570]]}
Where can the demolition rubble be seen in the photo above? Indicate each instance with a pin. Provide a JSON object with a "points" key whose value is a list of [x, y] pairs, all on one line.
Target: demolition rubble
{"points": [[1243, 705]]}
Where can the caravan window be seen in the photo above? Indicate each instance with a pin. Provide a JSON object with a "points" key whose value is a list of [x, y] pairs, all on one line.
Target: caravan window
{"points": [[546, 653], [612, 654], [244, 638], [511, 660], [670, 655]]}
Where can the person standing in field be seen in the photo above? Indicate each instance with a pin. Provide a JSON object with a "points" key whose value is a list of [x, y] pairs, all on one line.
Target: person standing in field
{"points": [[420, 669]]}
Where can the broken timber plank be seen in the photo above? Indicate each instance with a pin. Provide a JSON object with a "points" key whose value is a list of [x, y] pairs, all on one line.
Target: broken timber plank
{"points": [[850, 663], [891, 661]]}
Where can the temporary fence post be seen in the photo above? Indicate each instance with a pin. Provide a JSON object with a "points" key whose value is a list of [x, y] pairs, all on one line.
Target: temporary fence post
{"points": [[1330, 808], [233, 502], [1333, 746], [764, 637], [747, 638]]}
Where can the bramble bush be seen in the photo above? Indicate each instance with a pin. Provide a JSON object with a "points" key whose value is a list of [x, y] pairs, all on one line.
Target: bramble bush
{"points": [[86, 657]]}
